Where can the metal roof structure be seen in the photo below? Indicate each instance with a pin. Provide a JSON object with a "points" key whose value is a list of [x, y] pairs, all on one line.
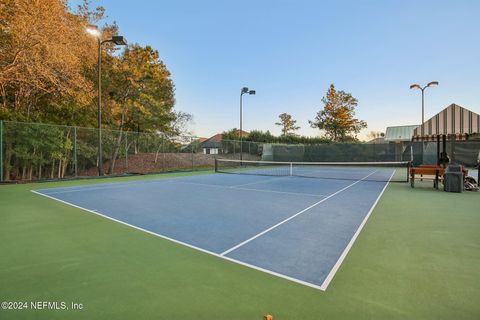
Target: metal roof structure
{"points": [[400, 133], [454, 119]]}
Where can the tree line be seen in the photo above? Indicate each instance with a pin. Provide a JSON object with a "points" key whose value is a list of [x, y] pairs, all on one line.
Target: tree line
{"points": [[48, 74]]}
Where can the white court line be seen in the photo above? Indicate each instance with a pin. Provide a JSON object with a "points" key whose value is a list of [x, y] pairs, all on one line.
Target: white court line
{"points": [[281, 192], [322, 287], [86, 189], [335, 268], [252, 189], [291, 217], [115, 185], [106, 186], [257, 182], [184, 243]]}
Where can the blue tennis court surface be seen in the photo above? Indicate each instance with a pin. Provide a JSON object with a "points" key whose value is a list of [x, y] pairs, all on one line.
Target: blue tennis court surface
{"points": [[293, 227]]}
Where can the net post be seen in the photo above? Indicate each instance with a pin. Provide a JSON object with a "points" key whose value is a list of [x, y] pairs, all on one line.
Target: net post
{"points": [[1, 150], [216, 165], [291, 169], [75, 165], [409, 166], [478, 169]]}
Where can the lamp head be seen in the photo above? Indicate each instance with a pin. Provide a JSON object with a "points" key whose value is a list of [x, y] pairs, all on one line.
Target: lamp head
{"points": [[433, 83], [119, 40], [251, 92], [244, 90], [415, 86], [93, 31]]}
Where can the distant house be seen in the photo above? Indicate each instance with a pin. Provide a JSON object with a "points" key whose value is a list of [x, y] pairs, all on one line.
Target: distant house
{"points": [[213, 145], [192, 147], [400, 133]]}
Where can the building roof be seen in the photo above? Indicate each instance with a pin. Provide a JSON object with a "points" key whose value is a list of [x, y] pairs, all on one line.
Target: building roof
{"points": [[214, 141], [400, 133], [376, 140], [454, 119]]}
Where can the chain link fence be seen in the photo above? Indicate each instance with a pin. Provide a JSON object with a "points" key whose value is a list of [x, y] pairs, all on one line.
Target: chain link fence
{"points": [[35, 151]]}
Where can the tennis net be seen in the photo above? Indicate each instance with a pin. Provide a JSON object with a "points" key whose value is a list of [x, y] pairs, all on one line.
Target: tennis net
{"points": [[394, 171]]}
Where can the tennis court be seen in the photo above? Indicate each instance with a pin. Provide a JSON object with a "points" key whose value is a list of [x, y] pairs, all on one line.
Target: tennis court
{"points": [[294, 221]]}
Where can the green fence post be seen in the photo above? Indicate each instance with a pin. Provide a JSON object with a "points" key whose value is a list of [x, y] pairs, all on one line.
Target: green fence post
{"points": [[191, 145], [163, 152], [1, 150], [75, 166], [126, 153]]}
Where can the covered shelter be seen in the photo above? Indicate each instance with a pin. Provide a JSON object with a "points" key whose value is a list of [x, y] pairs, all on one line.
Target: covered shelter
{"points": [[455, 122], [400, 133], [452, 133]]}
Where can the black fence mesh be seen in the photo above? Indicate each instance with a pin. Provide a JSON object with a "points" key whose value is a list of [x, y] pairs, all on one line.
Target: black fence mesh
{"points": [[340, 152]]}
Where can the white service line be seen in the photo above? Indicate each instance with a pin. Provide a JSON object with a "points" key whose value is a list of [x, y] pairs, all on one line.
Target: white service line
{"points": [[257, 182], [335, 268], [291, 217], [281, 192], [252, 189]]}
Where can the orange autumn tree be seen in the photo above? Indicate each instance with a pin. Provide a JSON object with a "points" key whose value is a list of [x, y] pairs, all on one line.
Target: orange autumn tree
{"points": [[44, 55], [48, 74], [337, 118], [139, 94]]}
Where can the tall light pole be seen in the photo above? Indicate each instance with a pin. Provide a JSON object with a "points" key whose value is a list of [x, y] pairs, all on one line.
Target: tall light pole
{"points": [[416, 86], [119, 41], [242, 92]]}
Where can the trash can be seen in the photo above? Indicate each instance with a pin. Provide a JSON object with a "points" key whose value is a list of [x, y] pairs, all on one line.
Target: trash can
{"points": [[453, 179]]}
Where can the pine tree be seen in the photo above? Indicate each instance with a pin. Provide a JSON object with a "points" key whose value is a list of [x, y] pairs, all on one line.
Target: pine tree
{"points": [[288, 124]]}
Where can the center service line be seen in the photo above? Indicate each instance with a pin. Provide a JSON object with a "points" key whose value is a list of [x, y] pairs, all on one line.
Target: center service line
{"points": [[291, 217]]}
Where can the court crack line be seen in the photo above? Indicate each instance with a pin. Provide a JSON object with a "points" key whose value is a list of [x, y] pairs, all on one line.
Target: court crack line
{"points": [[241, 244]]}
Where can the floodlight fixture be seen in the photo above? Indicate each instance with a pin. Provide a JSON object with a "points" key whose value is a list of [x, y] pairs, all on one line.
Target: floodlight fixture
{"points": [[93, 30], [417, 86], [119, 41], [242, 92]]}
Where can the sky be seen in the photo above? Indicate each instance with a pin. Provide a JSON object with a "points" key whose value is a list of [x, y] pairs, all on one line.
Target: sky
{"points": [[290, 51]]}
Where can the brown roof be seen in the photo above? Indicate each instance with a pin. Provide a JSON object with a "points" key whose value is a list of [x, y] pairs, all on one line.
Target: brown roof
{"points": [[216, 138], [211, 142]]}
